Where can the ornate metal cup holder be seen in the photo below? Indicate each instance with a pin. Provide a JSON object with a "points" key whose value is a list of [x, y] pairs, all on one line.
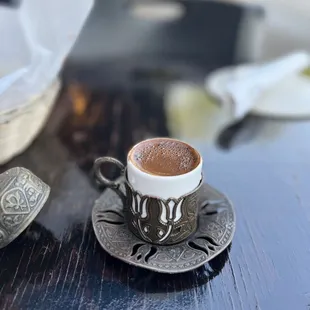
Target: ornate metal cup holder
{"points": [[216, 227]]}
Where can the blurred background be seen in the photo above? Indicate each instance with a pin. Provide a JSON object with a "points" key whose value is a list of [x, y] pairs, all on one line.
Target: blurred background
{"points": [[196, 70], [279, 27], [169, 50]]}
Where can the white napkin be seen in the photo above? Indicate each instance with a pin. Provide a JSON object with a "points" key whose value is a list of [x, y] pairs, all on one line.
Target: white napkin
{"points": [[246, 86]]}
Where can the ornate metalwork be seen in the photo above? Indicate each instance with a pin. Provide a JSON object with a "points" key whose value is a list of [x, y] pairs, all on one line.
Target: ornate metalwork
{"points": [[161, 221], [216, 227], [22, 196], [153, 219]]}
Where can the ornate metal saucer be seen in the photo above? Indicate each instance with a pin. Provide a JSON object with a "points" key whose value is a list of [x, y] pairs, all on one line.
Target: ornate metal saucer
{"points": [[22, 196], [216, 227]]}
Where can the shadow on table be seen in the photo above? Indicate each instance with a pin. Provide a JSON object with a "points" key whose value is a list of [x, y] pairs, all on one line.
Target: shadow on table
{"points": [[36, 260], [153, 282], [147, 281]]}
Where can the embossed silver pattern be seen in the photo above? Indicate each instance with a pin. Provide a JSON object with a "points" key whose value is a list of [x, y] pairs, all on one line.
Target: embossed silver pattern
{"points": [[161, 221], [22, 196], [216, 227], [153, 219]]}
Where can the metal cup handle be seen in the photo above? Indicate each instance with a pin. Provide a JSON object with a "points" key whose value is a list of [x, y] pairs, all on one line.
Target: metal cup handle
{"points": [[105, 181]]}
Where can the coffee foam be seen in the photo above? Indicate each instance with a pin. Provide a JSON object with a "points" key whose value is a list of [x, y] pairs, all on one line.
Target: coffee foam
{"points": [[164, 157]]}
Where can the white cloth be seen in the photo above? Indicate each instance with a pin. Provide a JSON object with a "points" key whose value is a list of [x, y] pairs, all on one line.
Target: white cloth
{"points": [[275, 89], [35, 40]]}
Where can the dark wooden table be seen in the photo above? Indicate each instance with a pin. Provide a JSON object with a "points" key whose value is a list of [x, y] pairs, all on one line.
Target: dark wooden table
{"points": [[262, 165]]}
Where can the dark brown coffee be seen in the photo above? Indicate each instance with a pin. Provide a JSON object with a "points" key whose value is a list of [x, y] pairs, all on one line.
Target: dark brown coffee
{"points": [[164, 157]]}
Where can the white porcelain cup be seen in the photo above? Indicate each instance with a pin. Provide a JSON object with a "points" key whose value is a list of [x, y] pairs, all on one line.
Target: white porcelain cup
{"points": [[162, 209], [163, 187]]}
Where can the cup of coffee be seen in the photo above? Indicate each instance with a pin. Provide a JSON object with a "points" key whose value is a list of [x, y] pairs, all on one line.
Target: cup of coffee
{"points": [[162, 179]]}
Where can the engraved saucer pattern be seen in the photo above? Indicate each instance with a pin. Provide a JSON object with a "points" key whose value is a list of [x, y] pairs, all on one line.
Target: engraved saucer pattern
{"points": [[216, 227]]}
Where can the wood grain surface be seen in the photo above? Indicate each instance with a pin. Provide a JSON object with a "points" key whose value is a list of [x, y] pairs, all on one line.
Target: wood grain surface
{"points": [[58, 264]]}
